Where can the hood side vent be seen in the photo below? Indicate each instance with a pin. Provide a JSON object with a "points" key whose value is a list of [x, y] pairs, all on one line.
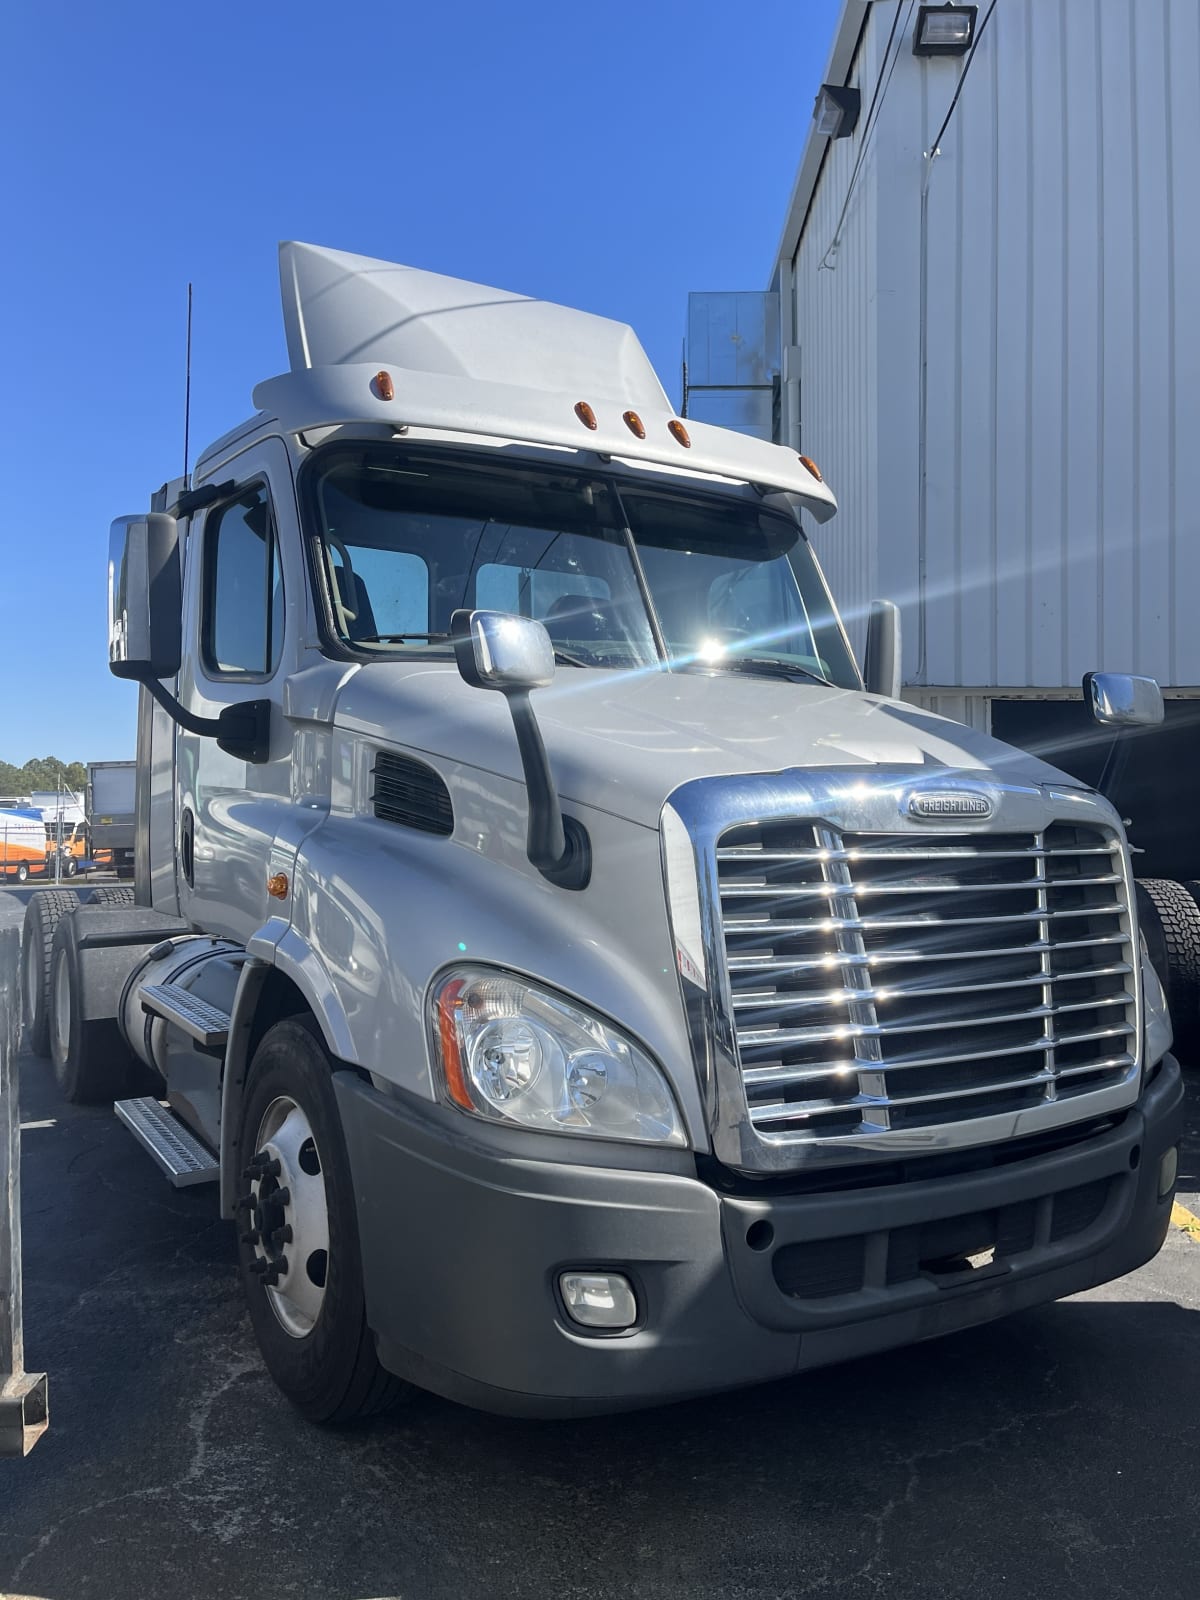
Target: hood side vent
{"points": [[410, 793]]}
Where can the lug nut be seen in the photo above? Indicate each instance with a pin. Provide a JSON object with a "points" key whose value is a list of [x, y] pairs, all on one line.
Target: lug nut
{"points": [[282, 1235], [258, 1266], [251, 1238]]}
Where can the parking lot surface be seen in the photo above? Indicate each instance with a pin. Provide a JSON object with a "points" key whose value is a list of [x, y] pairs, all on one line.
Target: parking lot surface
{"points": [[1053, 1454]]}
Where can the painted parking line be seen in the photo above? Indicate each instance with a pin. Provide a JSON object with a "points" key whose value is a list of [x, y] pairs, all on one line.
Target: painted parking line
{"points": [[1186, 1221]]}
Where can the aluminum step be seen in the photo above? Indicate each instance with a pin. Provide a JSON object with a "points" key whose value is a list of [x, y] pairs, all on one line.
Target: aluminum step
{"points": [[176, 1149], [205, 1023]]}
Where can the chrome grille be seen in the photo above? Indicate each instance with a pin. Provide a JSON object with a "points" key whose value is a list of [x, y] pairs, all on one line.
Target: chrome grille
{"points": [[901, 981]]}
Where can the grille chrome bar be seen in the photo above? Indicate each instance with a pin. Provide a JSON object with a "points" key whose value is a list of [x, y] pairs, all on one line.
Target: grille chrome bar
{"points": [[1035, 1046], [752, 853], [754, 963], [879, 1030], [766, 891], [754, 999], [872, 924]]}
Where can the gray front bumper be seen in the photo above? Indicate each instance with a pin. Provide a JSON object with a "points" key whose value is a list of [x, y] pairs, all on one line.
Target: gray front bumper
{"points": [[462, 1246]]}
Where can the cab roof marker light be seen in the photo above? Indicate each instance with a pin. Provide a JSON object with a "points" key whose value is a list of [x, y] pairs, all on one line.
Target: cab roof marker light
{"points": [[810, 465], [586, 415], [382, 386], [634, 423], [679, 433]]}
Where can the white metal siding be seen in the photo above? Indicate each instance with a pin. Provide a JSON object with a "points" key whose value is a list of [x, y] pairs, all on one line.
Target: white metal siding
{"points": [[1062, 526]]}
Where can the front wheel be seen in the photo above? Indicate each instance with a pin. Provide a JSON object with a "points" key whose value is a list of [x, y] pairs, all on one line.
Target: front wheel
{"points": [[23, 872], [299, 1253]]}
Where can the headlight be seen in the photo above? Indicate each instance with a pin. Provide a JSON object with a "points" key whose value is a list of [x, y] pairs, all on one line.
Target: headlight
{"points": [[1159, 1034], [513, 1052]]}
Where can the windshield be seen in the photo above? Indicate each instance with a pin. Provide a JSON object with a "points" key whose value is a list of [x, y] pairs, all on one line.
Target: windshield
{"points": [[621, 576]]}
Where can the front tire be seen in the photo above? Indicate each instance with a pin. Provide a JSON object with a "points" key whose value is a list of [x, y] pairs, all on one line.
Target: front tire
{"points": [[299, 1254], [23, 872]]}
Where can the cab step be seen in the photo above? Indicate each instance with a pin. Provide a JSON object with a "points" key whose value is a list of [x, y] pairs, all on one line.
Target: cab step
{"points": [[176, 1148], [205, 1023]]}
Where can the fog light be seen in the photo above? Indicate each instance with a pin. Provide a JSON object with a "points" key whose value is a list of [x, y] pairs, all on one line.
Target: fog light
{"points": [[1168, 1169], [599, 1299]]}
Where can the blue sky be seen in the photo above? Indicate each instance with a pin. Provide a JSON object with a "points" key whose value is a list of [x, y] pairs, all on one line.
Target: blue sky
{"points": [[608, 156]]}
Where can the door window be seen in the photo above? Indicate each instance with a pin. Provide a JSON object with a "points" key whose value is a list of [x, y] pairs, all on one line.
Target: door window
{"points": [[243, 588]]}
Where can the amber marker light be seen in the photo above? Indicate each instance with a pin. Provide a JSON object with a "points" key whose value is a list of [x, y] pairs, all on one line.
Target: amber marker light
{"points": [[586, 415], [679, 432], [277, 886], [634, 423], [810, 465], [382, 386], [449, 1002]]}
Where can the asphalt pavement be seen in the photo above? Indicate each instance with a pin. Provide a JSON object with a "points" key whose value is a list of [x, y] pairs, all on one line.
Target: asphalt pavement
{"points": [[1053, 1454]]}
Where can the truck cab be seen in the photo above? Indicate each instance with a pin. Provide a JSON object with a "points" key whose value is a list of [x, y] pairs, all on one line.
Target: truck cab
{"points": [[583, 986]]}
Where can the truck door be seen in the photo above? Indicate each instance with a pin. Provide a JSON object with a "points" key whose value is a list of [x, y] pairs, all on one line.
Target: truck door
{"points": [[243, 625]]}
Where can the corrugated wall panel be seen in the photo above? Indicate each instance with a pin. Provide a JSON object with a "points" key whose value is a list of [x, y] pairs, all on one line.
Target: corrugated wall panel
{"points": [[1060, 347], [835, 320]]}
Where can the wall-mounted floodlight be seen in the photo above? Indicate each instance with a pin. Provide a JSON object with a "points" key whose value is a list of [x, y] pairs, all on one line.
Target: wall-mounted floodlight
{"points": [[944, 30], [836, 110]]}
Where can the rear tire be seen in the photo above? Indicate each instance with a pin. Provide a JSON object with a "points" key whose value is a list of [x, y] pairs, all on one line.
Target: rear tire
{"points": [[92, 1063], [110, 895], [1179, 918], [328, 1369], [42, 916], [23, 872]]}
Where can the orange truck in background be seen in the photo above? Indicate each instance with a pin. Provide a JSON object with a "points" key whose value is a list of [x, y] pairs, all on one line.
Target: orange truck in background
{"points": [[23, 846]]}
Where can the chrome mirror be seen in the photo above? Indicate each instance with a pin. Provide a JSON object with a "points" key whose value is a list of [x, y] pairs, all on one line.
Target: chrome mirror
{"points": [[1119, 700], [496, 650]]}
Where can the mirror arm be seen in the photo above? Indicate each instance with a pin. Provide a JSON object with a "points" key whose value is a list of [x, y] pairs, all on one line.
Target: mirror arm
{"points": [[243, 729], [557, 846]]}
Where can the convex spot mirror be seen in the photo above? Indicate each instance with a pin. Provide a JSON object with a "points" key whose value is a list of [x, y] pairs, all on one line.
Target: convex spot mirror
{"points": [[145, 605], [496, 650], [1119, 700]]}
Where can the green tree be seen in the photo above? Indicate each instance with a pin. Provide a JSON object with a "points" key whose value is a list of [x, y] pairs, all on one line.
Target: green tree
{"points": [[45, 772]]}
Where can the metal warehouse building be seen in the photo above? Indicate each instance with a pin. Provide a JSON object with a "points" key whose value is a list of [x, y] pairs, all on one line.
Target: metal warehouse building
{"points": [[983, 323]]}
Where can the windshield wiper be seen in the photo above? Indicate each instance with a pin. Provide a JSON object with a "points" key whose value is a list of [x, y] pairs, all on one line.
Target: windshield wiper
{"points": [[567, 658], [400, 638], [768, 666]]}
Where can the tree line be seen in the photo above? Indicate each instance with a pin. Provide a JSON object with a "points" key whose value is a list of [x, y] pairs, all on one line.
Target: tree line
{"points": [[46, 772]]}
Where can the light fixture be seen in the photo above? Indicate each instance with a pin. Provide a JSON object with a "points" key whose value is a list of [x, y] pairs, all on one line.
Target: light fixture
{"points": [[836, 110], [944, 30]]}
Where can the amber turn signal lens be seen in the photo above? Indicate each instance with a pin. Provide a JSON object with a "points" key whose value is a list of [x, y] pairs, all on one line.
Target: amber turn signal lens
{"points": [[452, 1063], [811, 466], [678, 431], [277, 886], [634, 423], [586, 415], [383, 387]]}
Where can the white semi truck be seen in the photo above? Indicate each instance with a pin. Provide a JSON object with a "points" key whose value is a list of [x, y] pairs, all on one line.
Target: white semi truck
{"points": [[683, 1013]]}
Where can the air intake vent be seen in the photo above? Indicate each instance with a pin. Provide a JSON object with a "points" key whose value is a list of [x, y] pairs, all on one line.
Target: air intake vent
{"points": [[412, 794]]}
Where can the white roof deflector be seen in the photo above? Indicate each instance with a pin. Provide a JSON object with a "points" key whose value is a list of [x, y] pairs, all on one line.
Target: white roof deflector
{"points": [[340, 308]]}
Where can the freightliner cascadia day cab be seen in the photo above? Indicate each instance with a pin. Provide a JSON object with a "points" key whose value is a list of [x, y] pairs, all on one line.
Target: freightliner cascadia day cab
{"points": [[584, 989]]}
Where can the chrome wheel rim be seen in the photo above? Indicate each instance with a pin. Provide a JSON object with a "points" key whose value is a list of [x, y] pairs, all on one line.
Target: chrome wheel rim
{"points": [[289, 1217]]}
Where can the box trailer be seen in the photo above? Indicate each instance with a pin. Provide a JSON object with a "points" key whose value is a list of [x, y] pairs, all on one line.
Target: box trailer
{"points": [[111, 798]]}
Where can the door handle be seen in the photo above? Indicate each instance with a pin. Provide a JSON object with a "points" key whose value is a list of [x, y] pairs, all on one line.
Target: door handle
{"points": [[187, 847]]}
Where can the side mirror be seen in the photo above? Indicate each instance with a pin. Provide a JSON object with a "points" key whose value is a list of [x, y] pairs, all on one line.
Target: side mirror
{"points": [[495, 650], [145, 601], [881, 663], [1121, 701], [514, 655]]}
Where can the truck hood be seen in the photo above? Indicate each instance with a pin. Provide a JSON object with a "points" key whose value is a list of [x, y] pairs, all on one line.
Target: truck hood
{"points": [[624, 741]]}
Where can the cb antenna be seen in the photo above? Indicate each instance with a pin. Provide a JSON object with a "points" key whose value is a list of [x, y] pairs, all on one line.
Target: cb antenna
{"points": [[187, 385]]}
